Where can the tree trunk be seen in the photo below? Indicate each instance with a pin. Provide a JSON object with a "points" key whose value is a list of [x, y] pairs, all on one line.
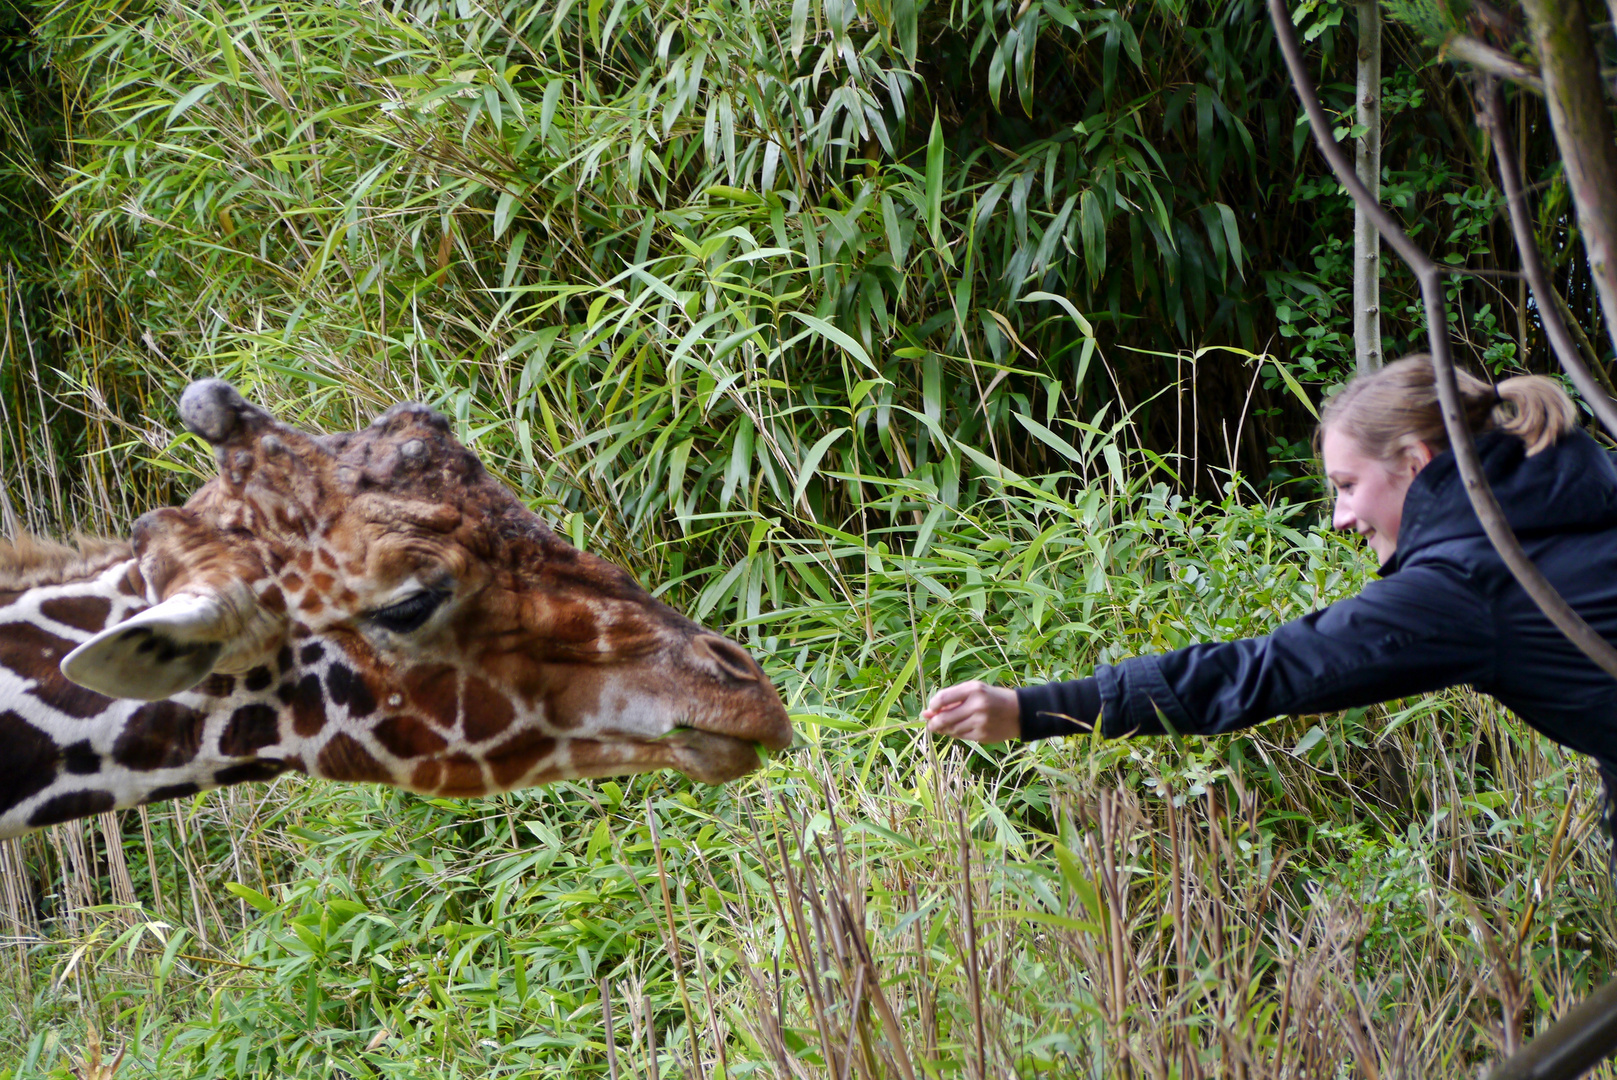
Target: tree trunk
{"points": [[1367, 163], [1583, 132]]}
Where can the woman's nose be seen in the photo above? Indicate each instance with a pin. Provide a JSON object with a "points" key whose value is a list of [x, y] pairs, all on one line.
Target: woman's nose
{"points": [[1342, 516]]}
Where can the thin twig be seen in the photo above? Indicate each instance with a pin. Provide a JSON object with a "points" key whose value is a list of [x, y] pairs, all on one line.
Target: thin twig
{"points": [[611, 1038], [973, 982]]}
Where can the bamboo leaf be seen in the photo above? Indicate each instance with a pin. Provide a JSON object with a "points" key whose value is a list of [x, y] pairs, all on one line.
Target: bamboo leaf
{"points": [[811, 462], [504, 208], [190, 98], [826, 330], [799, 27], [934, 180]]}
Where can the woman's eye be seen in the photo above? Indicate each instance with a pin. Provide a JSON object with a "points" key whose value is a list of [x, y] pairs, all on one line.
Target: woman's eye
{"points": [[408, 614]]}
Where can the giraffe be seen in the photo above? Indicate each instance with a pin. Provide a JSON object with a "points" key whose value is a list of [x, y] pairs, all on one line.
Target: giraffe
{"points": [[368, 606]]}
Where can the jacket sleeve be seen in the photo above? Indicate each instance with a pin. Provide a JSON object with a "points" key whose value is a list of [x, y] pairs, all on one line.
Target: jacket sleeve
{"points": [[1421, 629]]}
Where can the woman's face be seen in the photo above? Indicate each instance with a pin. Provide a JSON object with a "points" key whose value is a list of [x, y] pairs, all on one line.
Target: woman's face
{"points": [[1370, 493]]}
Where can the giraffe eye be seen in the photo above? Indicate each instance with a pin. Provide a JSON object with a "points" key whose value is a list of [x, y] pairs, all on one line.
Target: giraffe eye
{"points": [[408, 614]]}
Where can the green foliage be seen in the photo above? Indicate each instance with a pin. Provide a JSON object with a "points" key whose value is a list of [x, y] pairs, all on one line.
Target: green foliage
{"points": [[1142, 900], [849, 328], [468, 202]]}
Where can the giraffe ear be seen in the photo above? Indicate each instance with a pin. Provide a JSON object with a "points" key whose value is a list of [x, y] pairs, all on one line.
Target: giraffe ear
{"points": [[154, 655]]}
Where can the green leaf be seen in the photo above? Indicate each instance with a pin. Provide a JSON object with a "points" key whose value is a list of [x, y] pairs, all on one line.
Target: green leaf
{"points": [[934, 180], [503, 209], [191, 97], [252, 896], [1311, 739], [227, 45], [1066, 305], [1050, 438], [1092, 226], [826, 330], [811, 462], [1295, 387], [547, 106], [799, 27], [513, 259]]}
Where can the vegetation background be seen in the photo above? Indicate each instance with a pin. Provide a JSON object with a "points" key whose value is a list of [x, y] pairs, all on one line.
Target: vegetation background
{"points": [[908, 342]]}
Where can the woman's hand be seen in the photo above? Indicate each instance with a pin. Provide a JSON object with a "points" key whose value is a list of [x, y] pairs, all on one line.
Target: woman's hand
{"points": [[974, 710]]}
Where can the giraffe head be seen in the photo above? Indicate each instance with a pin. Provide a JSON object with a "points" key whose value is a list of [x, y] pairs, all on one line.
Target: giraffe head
{"points": [[415, 622]]}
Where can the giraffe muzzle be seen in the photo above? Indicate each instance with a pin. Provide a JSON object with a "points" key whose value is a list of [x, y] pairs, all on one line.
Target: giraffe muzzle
{"points": [[714, 759]]}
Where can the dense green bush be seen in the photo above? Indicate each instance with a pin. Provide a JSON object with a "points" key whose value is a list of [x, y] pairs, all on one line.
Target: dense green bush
{"points": [[1201, 902]]}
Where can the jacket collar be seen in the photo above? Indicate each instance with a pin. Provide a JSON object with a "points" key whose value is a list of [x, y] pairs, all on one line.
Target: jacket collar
{"points": [[1570, 486]]}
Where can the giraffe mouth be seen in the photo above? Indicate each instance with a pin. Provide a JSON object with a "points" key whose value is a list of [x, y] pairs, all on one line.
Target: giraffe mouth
{"points": [[709, 757]]}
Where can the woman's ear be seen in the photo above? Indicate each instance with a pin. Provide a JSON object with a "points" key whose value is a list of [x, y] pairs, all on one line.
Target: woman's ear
{"points": [[1418, 454]]}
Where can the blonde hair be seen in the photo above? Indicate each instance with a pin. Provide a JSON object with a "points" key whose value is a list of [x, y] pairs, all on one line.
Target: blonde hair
{"points": [[1390, 410]]}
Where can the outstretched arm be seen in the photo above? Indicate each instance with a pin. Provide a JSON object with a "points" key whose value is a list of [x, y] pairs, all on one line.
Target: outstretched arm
{"points": [[1421, 629]]}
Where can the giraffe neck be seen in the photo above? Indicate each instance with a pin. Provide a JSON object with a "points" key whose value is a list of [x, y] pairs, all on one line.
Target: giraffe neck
{"points": [[67, 752]]}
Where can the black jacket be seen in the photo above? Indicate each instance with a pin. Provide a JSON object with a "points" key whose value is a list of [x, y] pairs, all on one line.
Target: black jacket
{"points": [[1445, 612]]}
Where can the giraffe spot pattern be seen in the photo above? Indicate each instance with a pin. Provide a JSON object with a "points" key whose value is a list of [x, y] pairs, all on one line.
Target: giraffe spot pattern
{"points": [[80, 759], [250, 729], [258, 680], [308, 707], [407, 737], [26, 648], [433, 689], [487, 711], [160, 735], [80, 612], [283, 659], [311, 654], [426, 775], [74, 804], [462, 777], [171, 791], [217, 685], [347, 688], [345, 758], [516, 757], [28, 765], [249, 772]]}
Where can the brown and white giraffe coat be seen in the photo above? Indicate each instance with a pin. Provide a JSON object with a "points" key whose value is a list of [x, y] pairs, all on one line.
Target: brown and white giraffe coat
{"points": [[368, 606]]}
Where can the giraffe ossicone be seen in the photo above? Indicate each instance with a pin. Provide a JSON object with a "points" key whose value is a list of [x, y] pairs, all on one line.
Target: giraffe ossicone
{"points": [[368, 606]]}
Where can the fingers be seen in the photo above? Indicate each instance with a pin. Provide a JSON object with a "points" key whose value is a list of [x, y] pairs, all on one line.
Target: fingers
{"points": [[952, 696], [973, 710]]}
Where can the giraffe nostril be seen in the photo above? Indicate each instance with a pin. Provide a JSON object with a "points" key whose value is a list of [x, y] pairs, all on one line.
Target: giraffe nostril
{"points": [[731, 659]]}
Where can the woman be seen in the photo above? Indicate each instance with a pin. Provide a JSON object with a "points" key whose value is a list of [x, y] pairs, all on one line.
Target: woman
{"points": [[1445, 612]]}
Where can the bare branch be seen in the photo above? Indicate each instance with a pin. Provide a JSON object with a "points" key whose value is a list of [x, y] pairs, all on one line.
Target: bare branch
{"points": [[1492, 115], [1430, 276], [1583, 133], [1486, 58]]}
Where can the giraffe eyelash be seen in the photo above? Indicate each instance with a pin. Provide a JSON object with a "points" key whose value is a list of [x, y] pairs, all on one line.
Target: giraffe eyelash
{"points": [[408, 614]]}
